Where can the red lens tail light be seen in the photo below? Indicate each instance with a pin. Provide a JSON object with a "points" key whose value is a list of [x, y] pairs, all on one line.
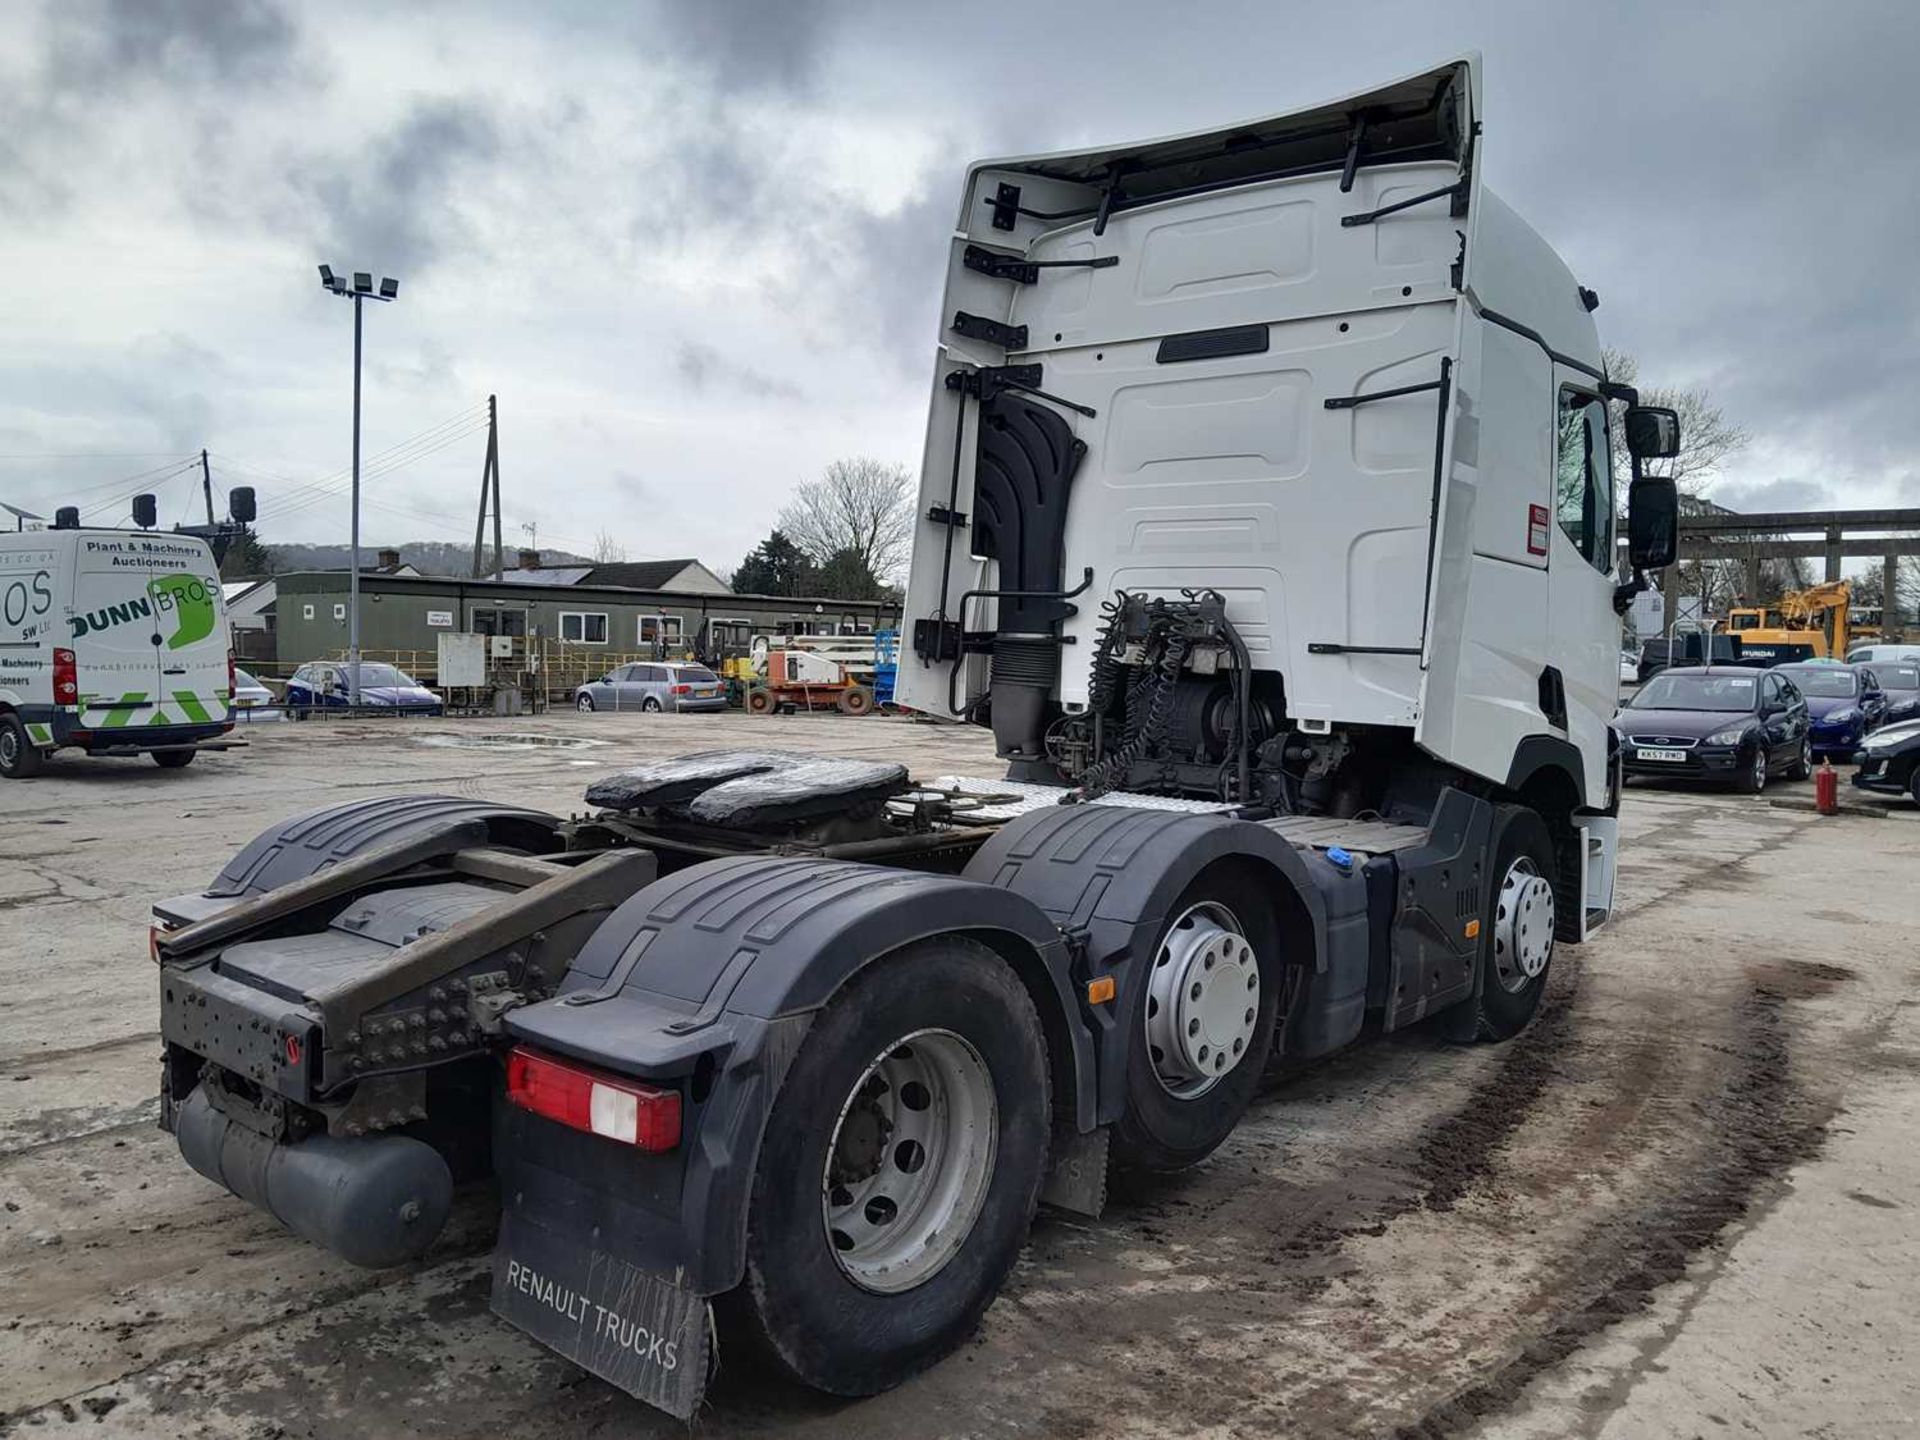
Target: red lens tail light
{"points": [[683, 689], [644, 1116], [66, 678]]}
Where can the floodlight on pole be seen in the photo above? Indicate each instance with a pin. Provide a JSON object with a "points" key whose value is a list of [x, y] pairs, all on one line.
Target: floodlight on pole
{"points": [[362, 290]]}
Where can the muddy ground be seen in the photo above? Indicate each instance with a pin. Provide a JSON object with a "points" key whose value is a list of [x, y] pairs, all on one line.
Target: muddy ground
{"points": [[1681, 1204]]}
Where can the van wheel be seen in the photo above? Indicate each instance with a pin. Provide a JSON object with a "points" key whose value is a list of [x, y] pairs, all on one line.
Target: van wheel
{"points": [[19, 756], [900, 1170], [173, 759], [1203, 1016], [1517, 922]]}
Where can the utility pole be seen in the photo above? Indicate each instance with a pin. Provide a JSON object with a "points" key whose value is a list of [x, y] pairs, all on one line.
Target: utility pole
{"points": [[362, 289], [489, 487], [206, 485]]}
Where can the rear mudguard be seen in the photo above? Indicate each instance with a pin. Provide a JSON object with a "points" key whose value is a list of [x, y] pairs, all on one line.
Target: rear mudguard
{"points": [[1110, 874], [711, 977]]}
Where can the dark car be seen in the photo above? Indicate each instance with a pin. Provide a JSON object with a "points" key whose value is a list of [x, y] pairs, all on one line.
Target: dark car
{"points": [[1686, 649], [323, 685], [1843, 702], [1900, 684], [1890, 761], [1713, 723]]}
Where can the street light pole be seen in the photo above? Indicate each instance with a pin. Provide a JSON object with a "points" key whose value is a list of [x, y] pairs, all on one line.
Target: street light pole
{"points": [[353, 575], [362, 289]]}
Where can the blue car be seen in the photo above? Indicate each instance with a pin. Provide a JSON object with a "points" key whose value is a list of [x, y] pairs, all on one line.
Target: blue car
{"points": [[1899, 682], [1844, 703], [323, 685]]}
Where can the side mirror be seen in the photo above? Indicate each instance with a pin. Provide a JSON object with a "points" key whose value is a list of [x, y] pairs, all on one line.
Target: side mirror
{"points": [[1653, 523], [1653, 432]]}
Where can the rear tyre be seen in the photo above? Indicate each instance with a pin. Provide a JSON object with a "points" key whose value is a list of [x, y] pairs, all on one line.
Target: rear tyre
{"points": [[855, 700], [1803, 766], [584, 704], [1516, 925], [1203, 1016], [650, 705], [173, 759], [1753, 778], [759, 701], [19, 756], [900, 1170]]}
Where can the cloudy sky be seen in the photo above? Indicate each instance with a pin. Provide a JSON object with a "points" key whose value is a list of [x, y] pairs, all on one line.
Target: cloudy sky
{"points": [[695, 246]]}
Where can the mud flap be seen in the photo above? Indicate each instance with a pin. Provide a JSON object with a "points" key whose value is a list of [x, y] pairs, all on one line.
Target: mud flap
{"points": [[1077, 1178], [636, 1331]]}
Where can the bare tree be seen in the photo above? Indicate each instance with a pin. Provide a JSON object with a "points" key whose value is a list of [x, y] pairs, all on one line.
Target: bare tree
{"points": [[1707, 438], [607, 550], [859, 505]]}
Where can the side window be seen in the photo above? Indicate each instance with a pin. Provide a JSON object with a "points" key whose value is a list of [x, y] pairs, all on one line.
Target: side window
{"points": [[1583, 478], [1789, 692]]}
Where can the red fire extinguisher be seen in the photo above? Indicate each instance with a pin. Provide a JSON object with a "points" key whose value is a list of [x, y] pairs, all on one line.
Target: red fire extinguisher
{"points": [[1826, 789]]}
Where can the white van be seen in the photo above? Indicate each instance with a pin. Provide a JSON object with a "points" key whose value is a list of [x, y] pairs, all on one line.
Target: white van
{"points": [[111, 641], [1883, 653]]}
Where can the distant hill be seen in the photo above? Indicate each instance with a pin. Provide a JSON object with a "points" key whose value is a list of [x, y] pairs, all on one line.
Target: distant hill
{"points": [[429, 557]]}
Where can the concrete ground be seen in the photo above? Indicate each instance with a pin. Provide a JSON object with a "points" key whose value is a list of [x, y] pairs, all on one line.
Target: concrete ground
{"points": [[1681, 1204]]}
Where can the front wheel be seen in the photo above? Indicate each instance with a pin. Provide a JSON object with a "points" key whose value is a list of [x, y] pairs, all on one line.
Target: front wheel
{"points": [[1803, 766], [584, 704], [19, 756], [1754, 778], [855, 700], [1203, 1015], [1516, 928], [900, 1170]]}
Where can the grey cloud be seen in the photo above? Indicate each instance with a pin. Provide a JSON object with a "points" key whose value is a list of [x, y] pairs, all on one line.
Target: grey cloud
{"points": [[1774, 495], [228, 42], [751, 44], [393, 208], [701, 366]]}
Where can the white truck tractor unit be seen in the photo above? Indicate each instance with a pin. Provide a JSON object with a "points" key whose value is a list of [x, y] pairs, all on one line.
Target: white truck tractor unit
{"points": [[1267, 519], [113, 642]]}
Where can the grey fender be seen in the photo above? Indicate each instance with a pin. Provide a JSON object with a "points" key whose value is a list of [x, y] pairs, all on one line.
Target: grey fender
{"points": [[711, 978], [300, 846], [1111, 874]]}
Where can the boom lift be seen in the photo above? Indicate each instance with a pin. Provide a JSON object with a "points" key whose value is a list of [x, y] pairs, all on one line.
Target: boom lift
{"points": [[1266, 519]]}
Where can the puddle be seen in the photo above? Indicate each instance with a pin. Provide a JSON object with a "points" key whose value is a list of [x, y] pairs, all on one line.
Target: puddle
{"points": [[509, 740]]}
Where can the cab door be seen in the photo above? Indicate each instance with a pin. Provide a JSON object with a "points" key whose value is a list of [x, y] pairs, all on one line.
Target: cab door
{"points": [[1580, 680]]}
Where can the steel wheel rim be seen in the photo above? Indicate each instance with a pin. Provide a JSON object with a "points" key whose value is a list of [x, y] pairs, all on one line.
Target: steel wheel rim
{"points": [[1523, 922], [9, 747], [909, 1161], [1203, 1001]]}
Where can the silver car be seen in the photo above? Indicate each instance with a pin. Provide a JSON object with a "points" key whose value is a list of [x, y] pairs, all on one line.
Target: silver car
{"points": [[653, 686]]}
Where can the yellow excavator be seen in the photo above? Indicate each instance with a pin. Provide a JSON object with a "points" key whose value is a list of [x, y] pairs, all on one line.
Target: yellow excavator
{"points": [[1810, 624]]}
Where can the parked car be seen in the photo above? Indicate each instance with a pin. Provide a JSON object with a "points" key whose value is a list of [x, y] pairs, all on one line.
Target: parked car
{"points": [[653, 686], [1901, 685], [1629, 668], [1686, 649], [1844, 703], [1740, 726], [249, 693], [1890, 761], [323, 685], [1879, 652]]}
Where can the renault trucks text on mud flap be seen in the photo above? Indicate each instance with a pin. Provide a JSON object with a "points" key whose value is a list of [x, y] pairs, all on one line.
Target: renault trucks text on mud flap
{"points": [[113, 642], [1267, 519]]}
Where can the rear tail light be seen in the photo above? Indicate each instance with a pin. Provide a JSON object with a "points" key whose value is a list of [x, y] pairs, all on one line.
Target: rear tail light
{"points": [[640, 1115], [66, 678], [683, 689]]}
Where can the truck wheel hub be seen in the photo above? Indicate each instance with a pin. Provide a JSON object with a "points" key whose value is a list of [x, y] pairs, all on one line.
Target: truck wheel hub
{"points": [[1203, 1001], [1522, 926], [909, 1161]]}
